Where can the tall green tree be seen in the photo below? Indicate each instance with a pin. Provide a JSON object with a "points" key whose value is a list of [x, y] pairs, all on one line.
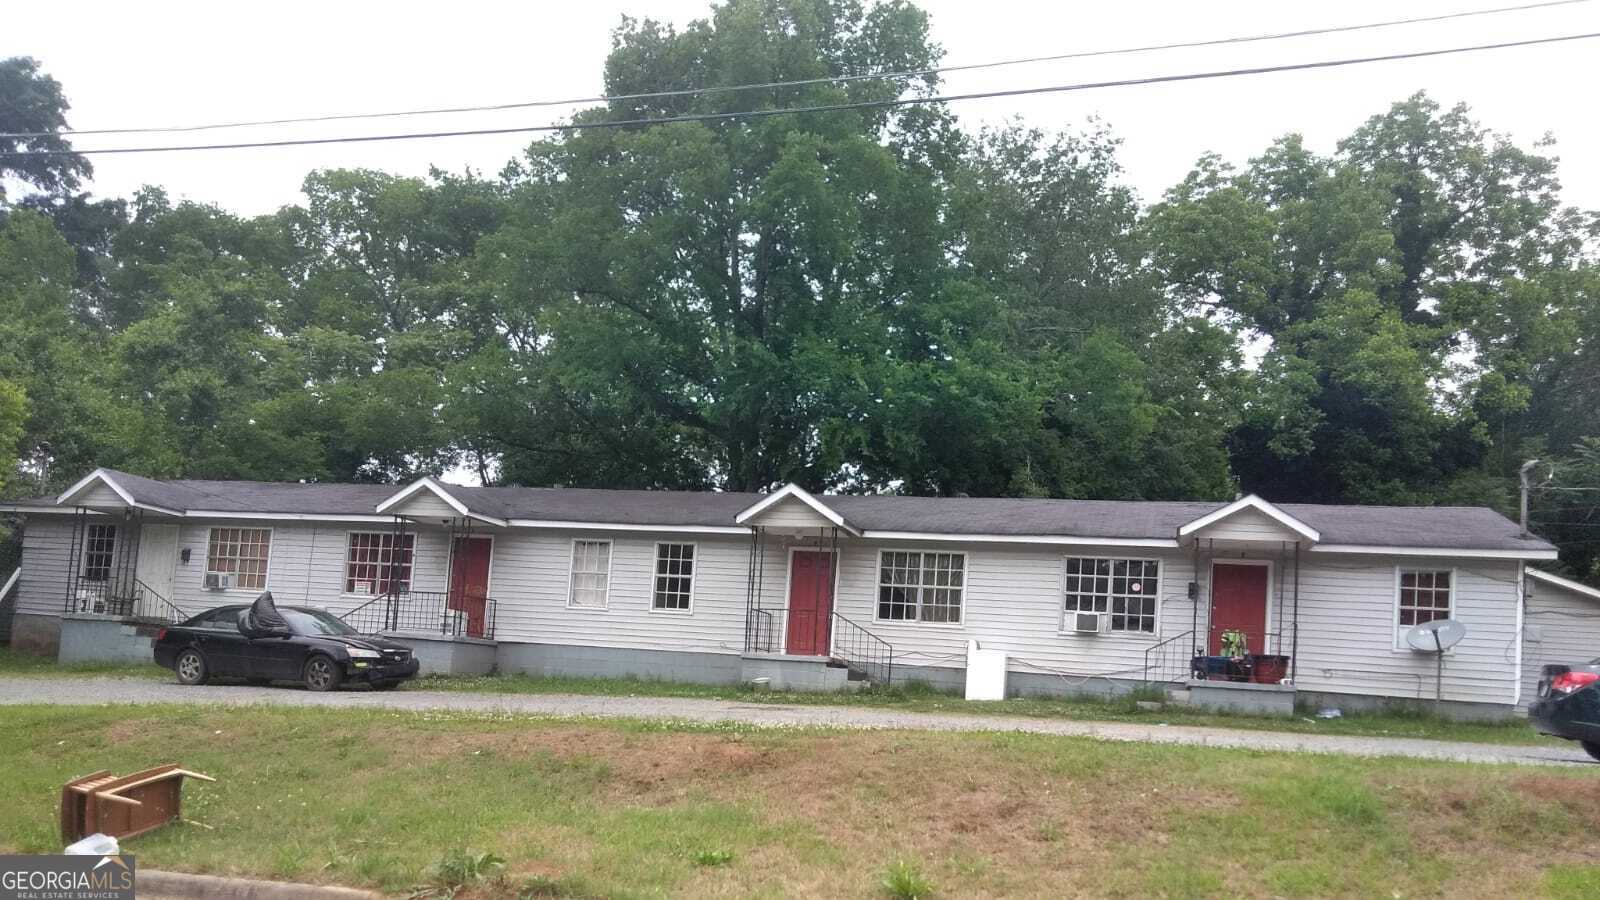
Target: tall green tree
{"points": [[31, 102], [689, 295], [1397, 287]]}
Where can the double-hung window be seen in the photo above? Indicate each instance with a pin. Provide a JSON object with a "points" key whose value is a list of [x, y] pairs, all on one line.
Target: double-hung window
{"points": [[1425, 595], [1127, 590], [99, 546], [591, 574], [372, 565], [916, 586], [240, 552], [674, 581]]}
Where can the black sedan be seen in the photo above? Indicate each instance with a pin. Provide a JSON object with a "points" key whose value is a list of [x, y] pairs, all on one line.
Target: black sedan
{"points": [[263, 643], [1568, 705]]}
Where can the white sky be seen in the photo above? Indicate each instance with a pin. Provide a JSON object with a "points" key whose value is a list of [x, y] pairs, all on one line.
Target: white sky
{"points": [[169, 64]]}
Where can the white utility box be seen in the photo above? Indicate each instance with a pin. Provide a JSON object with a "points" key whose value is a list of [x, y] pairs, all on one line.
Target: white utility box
{"points": [[986, 673]]}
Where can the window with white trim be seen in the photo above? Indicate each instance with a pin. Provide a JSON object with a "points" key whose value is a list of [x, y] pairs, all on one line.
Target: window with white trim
{"points": [[674, 582], [99, 546], [921, 587], [371, 562], [591, 574], [1125, 589], [1425, 595], [242, 553]]}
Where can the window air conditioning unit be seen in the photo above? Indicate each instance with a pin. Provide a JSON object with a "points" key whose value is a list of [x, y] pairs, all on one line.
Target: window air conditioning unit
{"points": [[218, 582], [1088, 622]]}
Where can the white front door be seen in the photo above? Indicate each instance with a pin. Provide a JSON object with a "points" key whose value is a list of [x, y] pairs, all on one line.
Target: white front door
{"points": [[158, 558]]}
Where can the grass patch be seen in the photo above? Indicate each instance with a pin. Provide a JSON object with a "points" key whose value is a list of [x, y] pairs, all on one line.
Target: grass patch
{"points": [[542, 807], [13, 662], [1409, 722]]}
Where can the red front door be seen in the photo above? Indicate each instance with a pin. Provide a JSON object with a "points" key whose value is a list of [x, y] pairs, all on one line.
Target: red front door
{"points": [[469, 580], [810, 602], [1239, 603]]}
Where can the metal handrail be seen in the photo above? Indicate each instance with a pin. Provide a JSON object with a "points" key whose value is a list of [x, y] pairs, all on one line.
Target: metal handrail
{"points": [[1161, 648], [174, 612], [424, 611], [863, 651]]}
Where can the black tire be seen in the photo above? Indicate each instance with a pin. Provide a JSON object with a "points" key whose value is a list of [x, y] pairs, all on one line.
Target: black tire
{"points": [[385, 685], [191, 667], [1592, 748], [321, 674]]}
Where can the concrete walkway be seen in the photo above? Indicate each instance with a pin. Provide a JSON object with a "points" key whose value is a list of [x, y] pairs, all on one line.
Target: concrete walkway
{"points": [[82, 691]]}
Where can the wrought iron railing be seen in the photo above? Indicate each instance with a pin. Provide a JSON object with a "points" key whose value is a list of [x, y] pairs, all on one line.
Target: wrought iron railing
{"points": [[796, 632], [442, 612], [131, 600], [1171, 660], [862, 651]]}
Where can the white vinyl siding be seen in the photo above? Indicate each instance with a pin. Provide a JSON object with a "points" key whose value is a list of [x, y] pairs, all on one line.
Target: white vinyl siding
{"points": [[1561, 626], [589, 581]]}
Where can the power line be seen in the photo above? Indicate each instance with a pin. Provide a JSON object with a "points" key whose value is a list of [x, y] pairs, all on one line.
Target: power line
{"points": [[829, 107], [838, 79]]}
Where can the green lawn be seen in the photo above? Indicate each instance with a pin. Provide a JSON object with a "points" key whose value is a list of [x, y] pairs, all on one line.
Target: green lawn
{"points": [[398, 800], [1418, 722]]}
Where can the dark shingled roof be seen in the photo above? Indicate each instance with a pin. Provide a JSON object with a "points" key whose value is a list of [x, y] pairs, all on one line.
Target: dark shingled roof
{"points": [[1444, 527]]}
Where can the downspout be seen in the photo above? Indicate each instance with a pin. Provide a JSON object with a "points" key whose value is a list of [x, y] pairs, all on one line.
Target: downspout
{"points": [[1194, 605], [1294, 648]]}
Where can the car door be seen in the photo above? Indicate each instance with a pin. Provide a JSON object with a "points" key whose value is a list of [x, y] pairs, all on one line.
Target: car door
{"points": [[217, 635], [276, 657]]}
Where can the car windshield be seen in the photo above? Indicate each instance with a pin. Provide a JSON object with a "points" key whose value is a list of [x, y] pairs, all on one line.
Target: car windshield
{"points": [[306, 621]]}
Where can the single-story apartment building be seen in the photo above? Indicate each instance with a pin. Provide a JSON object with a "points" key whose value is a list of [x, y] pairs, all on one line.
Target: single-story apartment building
{"points": [[817, 591]]}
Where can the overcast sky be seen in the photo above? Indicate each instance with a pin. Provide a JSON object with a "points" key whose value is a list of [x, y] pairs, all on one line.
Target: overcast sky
{"points": [[128, 64]]}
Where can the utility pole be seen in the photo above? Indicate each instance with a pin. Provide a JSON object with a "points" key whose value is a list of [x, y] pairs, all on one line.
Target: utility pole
{"points": [[1522, 476]]}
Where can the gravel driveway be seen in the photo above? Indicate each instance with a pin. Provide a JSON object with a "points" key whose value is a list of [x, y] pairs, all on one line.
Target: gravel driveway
{"points": [[81, 691]]}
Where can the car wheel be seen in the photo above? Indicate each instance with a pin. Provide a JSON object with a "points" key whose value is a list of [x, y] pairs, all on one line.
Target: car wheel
{"points": [[191, 667], [385, 685], [1592, 748], [321, 674]]}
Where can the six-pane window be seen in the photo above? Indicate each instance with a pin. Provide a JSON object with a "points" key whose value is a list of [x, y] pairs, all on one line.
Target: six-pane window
{"points": [[240, 552], [1126, 589], [591, 574], [921, 587], [371, 563], [1424, 596], [98, 547], [674, 576]]}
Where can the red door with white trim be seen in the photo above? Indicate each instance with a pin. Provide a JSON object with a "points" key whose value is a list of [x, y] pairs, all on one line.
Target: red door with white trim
{"points": [[810, 602], [469, 580], [1239, 603]]}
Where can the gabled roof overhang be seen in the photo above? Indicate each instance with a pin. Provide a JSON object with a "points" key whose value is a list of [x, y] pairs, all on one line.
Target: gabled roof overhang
{"points": [[101, 476], [798, 493], [438, 490], [1565, 583], [1259, 505]]}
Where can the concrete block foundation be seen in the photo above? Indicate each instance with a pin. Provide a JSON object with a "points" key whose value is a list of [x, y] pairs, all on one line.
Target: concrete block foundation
{"points": [[438, 654], [99, 639]]}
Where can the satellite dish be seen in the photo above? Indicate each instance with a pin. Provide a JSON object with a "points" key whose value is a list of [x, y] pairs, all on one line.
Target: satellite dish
{"points": [[1436, 636]]}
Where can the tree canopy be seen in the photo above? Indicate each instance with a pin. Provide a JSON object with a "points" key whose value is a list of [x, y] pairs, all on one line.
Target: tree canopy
{"points": [[861, 299]]}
